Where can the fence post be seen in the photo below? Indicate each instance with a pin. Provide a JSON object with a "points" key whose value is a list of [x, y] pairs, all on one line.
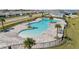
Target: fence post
{"points": [[9, 47]]}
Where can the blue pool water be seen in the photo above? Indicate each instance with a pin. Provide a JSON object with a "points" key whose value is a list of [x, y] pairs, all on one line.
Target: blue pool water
{"points": [[40, 27]]}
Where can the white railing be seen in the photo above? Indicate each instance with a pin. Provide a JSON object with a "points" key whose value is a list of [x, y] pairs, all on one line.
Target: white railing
{"points": [[38, 45]]}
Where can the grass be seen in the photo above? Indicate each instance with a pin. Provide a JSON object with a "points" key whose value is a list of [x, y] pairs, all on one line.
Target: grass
{"points": [[11, 24], [8, 24], [71, 31]]}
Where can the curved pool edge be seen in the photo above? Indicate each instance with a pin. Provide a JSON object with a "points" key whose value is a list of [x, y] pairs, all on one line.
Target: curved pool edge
{"points": [[38, 20]]}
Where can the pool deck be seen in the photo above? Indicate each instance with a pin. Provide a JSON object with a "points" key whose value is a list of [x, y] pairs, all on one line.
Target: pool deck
{"points": [[50, 33], [11, 37]]}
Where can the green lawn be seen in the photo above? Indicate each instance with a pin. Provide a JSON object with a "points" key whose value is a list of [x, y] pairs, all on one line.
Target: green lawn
{"points": [[9, 24], [71, 31]]}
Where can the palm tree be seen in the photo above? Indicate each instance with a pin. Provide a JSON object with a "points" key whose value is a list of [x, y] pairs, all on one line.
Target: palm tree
{"points": [[29, 27], [57, 26], [30, 14], [64, 16], [42, 13], [2, 20], [51, 17], [29, 42]]}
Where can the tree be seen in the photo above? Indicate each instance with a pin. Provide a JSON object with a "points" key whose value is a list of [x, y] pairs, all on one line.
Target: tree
{"points": [[29, 27], [29, 14], [51, 17], [64, 16], [2, 20], [29, 42], [42, 13], [57, 26]]}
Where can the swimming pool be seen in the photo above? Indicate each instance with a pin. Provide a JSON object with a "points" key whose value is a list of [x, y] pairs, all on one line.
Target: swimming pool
{"points": [[40, 27]]}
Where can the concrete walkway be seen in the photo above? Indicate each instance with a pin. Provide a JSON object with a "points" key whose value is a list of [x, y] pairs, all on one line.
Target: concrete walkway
{"points": [[11, 37]]}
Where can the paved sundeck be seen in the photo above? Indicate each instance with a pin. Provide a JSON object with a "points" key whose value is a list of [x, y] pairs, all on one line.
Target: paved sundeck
{"points": [[11, 37], [50, 33]]}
